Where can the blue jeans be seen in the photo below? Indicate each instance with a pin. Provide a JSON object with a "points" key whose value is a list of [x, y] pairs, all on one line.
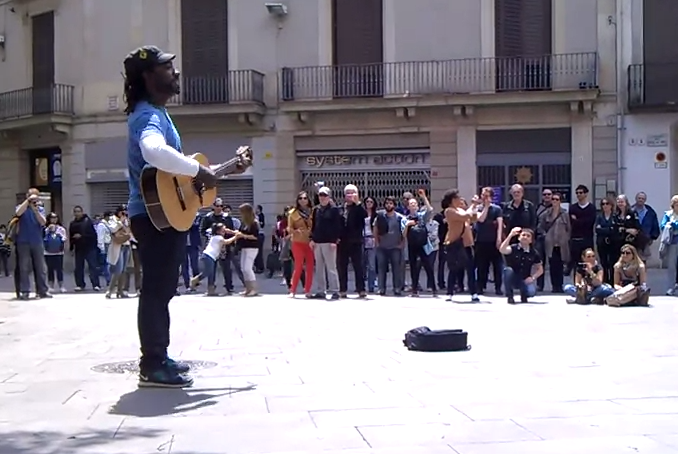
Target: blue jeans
{"points": [[91, 257], [512, 281], [390, 259], [121, 265], [370, 267], [208, 269], [103, 264], [191, 261], [600, 292], [31, 261]]}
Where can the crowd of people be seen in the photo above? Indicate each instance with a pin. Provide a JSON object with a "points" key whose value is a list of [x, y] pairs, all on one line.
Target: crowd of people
{"points": [[462, 247]]}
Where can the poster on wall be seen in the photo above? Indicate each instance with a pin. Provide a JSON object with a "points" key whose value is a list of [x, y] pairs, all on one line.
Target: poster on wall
{"points": [[55, 169]]}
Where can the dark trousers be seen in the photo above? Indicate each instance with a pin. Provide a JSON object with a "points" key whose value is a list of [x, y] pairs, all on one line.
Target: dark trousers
{"points": [[89, 256], [556, 271], [161, 253], [191, 260], [608, 256], [442, 263], [540, 246], [431, 284], [17, 274], [4, 263], [577, 247], [487, 254], [225, 263], [259, 259], [418, 259], [456, 263], [350, 252], [55, 268]]}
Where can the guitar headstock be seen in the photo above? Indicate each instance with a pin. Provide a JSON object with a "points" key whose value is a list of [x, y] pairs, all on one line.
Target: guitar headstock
{"points": [[244, 155]]}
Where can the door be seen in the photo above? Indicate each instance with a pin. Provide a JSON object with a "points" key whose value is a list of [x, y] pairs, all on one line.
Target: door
{"points": [[43, 63], [204, 51], [357, 27], [533, 177]]}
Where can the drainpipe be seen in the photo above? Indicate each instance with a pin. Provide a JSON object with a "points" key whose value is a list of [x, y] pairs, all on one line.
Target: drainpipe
{"points": [[621, 92]]}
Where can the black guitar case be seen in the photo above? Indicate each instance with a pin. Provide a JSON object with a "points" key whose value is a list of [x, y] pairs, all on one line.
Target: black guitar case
{"points": [[424, 339]]}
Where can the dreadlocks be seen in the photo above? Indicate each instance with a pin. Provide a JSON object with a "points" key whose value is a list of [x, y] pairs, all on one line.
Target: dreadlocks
{"points": [[134, 91]]}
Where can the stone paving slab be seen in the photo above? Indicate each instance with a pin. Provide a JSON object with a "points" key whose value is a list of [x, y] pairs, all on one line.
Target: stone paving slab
{"points": [[295, 376]]}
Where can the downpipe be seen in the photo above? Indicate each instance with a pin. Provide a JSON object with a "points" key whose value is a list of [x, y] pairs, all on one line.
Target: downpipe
{"points": [[621, 93]]}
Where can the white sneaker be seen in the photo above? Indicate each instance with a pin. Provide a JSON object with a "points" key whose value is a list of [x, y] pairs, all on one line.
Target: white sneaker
{"points": [[63, 289]]}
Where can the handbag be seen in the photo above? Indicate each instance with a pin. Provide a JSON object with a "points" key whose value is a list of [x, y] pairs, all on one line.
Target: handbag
{"points": [[121, 236], [630, 294], [286, 250], [665, 241]]}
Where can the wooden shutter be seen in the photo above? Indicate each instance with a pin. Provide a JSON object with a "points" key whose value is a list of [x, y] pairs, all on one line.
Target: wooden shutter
{"points": [[508, 36], [204, 51], [43, 62], [536, 24]]}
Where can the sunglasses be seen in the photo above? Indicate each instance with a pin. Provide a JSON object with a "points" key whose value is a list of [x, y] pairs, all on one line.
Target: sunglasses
{"points": [[626, 253], [303, 198], [555, 199], [605, 203], [546, 194]]}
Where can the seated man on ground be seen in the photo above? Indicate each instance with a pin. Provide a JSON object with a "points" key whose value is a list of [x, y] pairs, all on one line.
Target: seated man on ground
{"points": [[588, 287], [523, 265]]}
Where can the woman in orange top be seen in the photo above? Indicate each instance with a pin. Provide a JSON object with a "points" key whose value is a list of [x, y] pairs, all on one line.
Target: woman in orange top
{"points": [[299, 225]]}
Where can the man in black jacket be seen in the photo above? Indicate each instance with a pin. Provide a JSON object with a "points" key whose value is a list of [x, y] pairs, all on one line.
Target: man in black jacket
{"points": [[325, 235], [83, 241], [351, 245], [518, 213], [222, 214]]}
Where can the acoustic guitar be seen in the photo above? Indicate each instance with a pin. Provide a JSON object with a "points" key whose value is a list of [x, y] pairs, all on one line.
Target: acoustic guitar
{"points": [[174, 200]]}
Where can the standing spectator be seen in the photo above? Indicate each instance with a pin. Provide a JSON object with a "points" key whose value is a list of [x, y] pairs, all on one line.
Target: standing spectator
{"points": [[404, 205], [55, 241], [670, 222], [627, 225], [519, 212], [259, 260], [29, 245], [83, 242], [489, 229], [118, 251], [606, 239], [299, 227], [103, 243], [523, 265], [649, 224], [554, 225], [432, 228], [442, 258], [5, 251], [539, 242], [350, 248], [418, 246], [248, 245], [221, 214], [326, 222], [191, 265], [388, 228], [582, 220]]}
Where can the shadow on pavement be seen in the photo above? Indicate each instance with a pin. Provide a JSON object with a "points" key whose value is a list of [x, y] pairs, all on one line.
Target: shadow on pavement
{"points": [[50, 442], [149, 403]]}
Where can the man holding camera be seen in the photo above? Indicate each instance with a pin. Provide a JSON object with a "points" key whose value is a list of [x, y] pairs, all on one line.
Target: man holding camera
{"points": [[29, 245], [523, 264]]}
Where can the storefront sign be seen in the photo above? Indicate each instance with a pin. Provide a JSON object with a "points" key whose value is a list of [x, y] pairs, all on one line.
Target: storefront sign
{"points": [[324, 161], [55, 169]]}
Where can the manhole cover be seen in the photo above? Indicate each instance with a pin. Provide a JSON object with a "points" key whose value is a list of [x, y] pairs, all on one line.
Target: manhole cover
{"points": [[133, 366]]}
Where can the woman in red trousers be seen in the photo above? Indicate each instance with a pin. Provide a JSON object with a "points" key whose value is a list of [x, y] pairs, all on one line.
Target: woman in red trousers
{"points": [[299, 225]]}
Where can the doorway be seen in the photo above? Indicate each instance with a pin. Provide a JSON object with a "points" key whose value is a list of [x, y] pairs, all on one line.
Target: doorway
{"points": [[46, 175]]}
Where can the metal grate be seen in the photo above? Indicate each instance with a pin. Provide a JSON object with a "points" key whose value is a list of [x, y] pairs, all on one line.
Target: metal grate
{"points": [[236, 192], [377, 184]]}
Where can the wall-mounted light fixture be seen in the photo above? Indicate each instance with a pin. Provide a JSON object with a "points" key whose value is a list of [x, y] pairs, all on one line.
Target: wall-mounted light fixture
{"points": [[279, 10]]}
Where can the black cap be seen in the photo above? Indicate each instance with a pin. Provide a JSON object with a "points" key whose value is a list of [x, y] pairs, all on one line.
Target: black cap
{"points": [[146, 58]]}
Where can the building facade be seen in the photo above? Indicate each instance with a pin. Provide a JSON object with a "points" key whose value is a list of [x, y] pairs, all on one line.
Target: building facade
{"points": [[391, 95]]}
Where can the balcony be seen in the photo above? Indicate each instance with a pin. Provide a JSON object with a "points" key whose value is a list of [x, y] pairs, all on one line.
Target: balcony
{"points": [[472, 81], [36, 106], [238, 92], [652, 87]]}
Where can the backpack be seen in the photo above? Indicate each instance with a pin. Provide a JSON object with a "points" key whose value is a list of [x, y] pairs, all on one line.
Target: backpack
{"points": [[418, 234], [424, 339], [12, 230]]}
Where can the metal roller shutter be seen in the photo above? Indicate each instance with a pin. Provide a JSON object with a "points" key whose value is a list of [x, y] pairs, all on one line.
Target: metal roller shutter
{"points": [[107, 196], [235, 192]]}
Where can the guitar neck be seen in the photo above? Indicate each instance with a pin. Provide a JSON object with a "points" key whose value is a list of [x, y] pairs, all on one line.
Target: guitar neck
{"points": [[226, 168]]}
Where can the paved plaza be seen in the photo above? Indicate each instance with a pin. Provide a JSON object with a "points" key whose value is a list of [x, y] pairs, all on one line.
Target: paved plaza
{"points": [[294, 376]]}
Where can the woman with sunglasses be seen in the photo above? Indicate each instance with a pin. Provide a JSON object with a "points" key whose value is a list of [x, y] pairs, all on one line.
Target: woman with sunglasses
{"points": [[370, 253], [627, 225], [608, 250], [588, 287], [630, 269], [55, 240], [299, 226]]}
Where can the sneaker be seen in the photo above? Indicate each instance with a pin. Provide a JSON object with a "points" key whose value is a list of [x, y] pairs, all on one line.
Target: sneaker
{"points": [[63, 289], [510, 300], [178, 366], [320, 296], [97, 289], [24, 297], [164, 377], [79, 289], [335, 296], [45, 295], [475, 298]]}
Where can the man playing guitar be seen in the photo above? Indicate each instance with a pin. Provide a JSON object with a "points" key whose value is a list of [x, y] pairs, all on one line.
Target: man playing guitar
{"points": [[150, 81]]}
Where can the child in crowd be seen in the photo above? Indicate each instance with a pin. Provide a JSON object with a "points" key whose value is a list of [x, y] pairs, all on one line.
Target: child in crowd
{"points": [[209, 257]]}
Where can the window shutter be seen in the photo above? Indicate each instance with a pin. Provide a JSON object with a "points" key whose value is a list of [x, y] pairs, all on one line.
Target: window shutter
{"points": [[508, 39], [358, 31], [204, 35], [536, 28]]}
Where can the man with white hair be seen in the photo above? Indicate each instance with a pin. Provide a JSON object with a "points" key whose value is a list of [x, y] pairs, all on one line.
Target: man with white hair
{"points": [[350, 250]]}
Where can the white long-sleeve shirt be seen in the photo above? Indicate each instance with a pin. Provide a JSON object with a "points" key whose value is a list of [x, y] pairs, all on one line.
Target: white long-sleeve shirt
{"points": [[158, 154]]}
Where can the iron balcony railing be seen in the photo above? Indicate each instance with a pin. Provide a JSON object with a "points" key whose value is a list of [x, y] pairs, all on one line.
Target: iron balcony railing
{"points": [[464, 76], [239, 86], [27, 102], [652, 85]]}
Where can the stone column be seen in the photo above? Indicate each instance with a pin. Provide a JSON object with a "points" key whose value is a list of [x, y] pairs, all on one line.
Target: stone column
{"points": [[74, 178], [466, 160], [443, 146], [275, 172], [582, 152], [14, 178]]}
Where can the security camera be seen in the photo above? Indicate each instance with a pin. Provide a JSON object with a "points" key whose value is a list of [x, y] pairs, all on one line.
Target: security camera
{"points": [[276, 9]]}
